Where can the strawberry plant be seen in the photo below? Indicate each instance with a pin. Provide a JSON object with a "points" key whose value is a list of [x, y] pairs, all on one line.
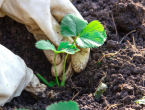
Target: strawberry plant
{"points": [[85, 36]]}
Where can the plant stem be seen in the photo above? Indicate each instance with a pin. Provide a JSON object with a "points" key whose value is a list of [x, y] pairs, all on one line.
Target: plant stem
{"points": [[63, 80], [75, 39], [57, 82], [39, 76]]}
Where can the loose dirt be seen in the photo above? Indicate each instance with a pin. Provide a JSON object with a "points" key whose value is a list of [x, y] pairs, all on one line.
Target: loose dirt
{"points": [[124, 21]]}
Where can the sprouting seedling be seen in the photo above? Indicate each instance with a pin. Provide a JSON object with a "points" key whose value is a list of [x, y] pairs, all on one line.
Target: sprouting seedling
{"points": [[64, 47], [86, 36]]}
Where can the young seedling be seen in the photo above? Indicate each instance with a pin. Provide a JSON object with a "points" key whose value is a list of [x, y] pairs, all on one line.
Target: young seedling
{"points": [[64, 47], [85, 36]]}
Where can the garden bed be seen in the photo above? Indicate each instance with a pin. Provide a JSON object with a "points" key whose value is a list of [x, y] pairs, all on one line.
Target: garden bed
{"points": [[124, 21]]}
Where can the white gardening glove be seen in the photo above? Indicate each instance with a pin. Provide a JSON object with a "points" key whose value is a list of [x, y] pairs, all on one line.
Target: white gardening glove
{"points": [[42, 18], [15, 76]]}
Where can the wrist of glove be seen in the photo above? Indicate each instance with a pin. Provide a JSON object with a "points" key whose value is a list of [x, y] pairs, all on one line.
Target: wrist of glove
{"points": [[15, 76]]}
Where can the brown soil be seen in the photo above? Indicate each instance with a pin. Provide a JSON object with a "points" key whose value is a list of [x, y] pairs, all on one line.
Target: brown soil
{"points": [[125, 71]]}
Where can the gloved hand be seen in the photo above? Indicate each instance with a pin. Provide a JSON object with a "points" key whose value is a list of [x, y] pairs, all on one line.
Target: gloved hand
{"points": [[15, 76], [42, 18]]}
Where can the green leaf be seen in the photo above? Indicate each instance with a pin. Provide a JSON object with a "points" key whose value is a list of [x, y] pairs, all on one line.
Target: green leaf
{"points": [[141, 101], [65, 47], [101, 88], [93, 35], [71, 25], [71, 105], [94, 26], [51, 83], [45, 45], [90, 40]]}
